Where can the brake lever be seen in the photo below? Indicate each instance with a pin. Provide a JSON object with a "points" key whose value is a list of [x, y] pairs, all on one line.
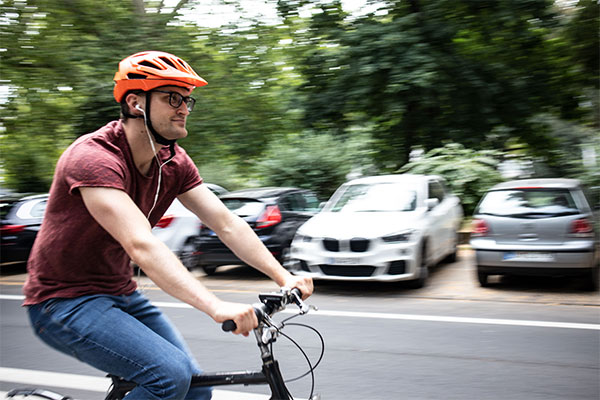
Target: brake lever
{"points": [[304, 308]]}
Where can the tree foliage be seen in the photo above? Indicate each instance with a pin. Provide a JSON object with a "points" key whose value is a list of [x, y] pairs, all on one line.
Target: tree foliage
{"points": [[431, 71], [348, 92], [320, 162]]}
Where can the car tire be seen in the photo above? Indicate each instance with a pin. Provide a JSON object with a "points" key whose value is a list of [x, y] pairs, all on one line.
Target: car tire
{"points": [[482, 277], [187, 254], [209, 269], [423, 270], [451, 258], [593, 278]]}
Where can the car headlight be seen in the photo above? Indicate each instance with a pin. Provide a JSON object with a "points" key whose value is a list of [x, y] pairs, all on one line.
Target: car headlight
{"points": [[302, 238], [399, 237]]}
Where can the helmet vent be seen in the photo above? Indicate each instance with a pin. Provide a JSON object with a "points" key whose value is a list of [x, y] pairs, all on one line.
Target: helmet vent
{"points": [[131, 75], [167, 61], [149, 64]]}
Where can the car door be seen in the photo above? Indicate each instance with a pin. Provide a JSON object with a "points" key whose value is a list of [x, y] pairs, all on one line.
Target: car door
{"points": [[439, 220]]}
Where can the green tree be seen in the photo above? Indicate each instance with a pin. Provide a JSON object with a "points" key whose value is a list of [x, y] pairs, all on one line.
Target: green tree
{"points": [[58, 62], [320, 162], [431, 71]]}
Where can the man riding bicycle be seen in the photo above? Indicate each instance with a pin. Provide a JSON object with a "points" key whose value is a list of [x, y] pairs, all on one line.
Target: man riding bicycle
{"points": [[110, 187]]}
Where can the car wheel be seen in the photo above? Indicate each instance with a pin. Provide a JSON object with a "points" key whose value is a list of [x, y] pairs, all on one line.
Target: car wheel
{"points": [[451, 258], [187, 254], [209, 269], [423, 270], [592, 278], [482, 277]]}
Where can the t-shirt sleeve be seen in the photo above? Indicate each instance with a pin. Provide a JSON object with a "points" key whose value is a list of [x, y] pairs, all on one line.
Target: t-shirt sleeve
{"points": [[191, 176], [89, 168]]}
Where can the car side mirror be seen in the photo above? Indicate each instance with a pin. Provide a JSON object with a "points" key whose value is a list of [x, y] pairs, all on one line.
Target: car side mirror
{"points": [[431, 203]]}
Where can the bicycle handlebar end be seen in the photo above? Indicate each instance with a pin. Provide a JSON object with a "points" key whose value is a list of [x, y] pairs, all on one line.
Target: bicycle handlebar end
{"points": [[229, 326]]}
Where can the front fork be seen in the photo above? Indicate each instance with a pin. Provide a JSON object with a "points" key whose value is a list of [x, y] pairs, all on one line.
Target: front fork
{"points": [[264, 337], [270, 366]]}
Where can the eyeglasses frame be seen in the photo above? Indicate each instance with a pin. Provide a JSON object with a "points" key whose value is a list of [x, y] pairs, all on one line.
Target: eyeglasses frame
{"points": [[188, 100]]}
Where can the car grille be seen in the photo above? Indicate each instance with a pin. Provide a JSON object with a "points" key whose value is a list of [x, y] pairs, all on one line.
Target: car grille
{"points": [[342, 270], [331, 244], [357, 245]]}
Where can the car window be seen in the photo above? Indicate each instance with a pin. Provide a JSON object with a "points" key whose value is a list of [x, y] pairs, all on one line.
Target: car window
{"points": [[528, 202], [37, 211], [436, 191], [243, 207], [376, 197], [292, 202], [311, 202], [32, 209], [5, 209], [299, 202]]}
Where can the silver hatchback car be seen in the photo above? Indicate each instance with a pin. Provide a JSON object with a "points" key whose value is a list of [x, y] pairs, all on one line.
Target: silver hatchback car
{"points": [[535, 226]]}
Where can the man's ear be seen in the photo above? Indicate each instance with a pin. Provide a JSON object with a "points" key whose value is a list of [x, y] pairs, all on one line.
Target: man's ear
{"points": [[135, 104]]}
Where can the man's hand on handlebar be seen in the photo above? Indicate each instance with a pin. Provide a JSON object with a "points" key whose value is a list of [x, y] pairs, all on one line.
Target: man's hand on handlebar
{"points": [[304, 284], [242, 314]]}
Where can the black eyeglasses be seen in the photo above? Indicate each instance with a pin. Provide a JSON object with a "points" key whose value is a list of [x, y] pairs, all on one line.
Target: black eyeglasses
{"points": [[175, 100]]}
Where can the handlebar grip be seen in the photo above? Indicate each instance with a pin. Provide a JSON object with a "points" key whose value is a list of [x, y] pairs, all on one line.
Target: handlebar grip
{"points": [[229, 326]]}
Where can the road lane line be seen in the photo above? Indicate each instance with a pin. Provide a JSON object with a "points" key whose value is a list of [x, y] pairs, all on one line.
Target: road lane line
{"points": [[406, 317], [463, 320]]}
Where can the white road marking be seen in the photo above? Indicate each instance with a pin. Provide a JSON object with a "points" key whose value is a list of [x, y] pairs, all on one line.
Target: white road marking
{"points": [[406, 317]]}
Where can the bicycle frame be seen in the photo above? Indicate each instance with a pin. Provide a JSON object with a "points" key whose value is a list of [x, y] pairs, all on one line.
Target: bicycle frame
{"points": [[270, 373]]}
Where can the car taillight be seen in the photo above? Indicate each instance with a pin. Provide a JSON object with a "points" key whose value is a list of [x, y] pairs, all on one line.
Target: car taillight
{"points": [[11, 229], [582, 228], [479, 228], [271, 216], [165, 221]]}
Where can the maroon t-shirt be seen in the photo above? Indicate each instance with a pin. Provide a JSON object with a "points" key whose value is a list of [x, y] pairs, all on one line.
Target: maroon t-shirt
{"points": [[72, 254]]}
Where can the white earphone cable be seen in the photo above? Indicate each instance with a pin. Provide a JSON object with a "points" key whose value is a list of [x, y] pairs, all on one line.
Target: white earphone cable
{"points": [[160, 166]]}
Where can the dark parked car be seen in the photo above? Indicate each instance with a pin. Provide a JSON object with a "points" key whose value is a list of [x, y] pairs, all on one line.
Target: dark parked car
{"points": [[273, 213], [20, 221], [534, 227], [179, 227]]}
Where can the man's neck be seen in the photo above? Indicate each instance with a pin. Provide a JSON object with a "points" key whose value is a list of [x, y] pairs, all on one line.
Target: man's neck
{"points": [[139, 143]]}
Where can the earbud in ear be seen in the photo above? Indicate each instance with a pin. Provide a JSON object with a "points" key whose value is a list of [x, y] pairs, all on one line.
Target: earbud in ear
{"points": [[137, 107]]}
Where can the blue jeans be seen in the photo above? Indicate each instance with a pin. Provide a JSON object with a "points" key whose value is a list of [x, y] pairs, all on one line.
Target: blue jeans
{"points": [[125, 336]]}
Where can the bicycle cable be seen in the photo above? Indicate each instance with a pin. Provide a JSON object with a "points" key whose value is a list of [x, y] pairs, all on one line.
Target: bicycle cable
{"points": [[311, 367]]}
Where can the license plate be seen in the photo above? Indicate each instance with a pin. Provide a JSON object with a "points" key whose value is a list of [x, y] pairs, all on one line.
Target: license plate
{"points": [[344, 261], [532, 256]]}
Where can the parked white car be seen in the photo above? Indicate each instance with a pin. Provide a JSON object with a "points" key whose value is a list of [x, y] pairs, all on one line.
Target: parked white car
{"points": [[380, 228], [179, 226]]}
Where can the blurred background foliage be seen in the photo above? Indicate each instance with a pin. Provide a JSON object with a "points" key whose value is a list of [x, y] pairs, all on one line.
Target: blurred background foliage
{"points": [[316, 92]]}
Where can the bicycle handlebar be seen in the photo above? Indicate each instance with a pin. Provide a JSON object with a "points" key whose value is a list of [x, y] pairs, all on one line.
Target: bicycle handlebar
{"points": [[270, 304]]}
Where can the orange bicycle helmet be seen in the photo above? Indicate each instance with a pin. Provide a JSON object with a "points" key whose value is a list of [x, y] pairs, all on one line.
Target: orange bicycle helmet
{"points": [[148, 70]]}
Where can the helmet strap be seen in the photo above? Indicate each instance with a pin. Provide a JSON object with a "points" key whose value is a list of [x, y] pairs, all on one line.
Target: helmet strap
{"points": [[157, 136]]}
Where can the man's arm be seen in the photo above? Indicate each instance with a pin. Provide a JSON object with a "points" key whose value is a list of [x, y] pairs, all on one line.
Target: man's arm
{"points": [[114, 210], [240, 238]]}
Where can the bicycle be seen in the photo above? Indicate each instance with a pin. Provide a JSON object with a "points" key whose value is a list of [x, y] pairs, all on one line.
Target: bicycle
{"points": [[266, 333]]}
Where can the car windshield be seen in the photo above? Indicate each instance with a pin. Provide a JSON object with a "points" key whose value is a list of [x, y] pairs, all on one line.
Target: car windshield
{"points": [[376, 197], [528, 203]]}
